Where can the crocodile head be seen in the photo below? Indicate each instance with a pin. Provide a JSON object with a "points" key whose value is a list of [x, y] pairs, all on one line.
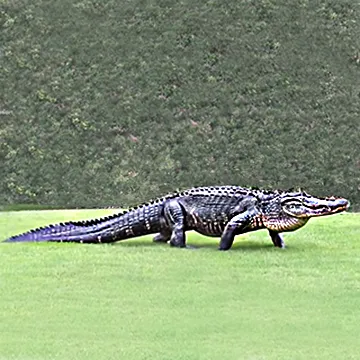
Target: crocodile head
{"points": [[289, 211], [303, 205]]}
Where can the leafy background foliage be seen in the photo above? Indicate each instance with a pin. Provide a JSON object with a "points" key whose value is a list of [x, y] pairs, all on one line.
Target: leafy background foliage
{"points": [[110, 103]]}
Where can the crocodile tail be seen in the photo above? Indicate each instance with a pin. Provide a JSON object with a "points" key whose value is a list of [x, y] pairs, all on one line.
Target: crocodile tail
{"points": [[143, 220]]}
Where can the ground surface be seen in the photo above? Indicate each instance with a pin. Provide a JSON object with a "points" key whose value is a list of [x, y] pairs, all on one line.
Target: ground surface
{"points": [[139, 300]]}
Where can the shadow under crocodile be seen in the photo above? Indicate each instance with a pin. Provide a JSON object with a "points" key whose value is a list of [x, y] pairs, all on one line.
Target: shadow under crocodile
{"points": [[238, 246]]}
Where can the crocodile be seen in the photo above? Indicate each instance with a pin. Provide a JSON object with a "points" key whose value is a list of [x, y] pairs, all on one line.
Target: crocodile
{"points": [[217, 211]]}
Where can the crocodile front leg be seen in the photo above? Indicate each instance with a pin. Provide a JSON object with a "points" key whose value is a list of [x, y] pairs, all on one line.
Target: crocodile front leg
{"points": [[276, 239], [235, 226]]}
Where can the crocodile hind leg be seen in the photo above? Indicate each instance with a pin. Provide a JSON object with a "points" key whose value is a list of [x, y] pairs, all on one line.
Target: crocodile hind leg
{"points": [[163, 237], [175, 219], [276, 239]]}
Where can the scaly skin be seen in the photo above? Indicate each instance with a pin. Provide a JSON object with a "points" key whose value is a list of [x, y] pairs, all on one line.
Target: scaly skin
{"points": [[220, 211]]}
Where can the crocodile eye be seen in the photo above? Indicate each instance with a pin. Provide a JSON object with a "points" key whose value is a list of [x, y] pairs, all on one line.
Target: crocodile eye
{"points": [[292, 206]]}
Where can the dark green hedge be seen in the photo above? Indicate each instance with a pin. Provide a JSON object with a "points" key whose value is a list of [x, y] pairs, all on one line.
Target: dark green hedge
{"points": [[110, 103]]}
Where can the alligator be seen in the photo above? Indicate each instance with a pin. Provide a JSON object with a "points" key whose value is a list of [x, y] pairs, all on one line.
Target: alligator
{"points": [[217, 211]]}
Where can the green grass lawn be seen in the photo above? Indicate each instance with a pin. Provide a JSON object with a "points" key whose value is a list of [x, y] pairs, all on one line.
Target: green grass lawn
{"points": [[139, 300]]}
